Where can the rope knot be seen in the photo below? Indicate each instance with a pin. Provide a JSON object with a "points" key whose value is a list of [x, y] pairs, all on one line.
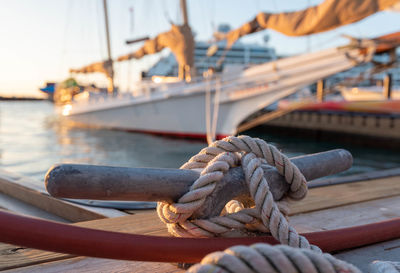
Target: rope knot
{"points": [[215, 161], [265, 216]]}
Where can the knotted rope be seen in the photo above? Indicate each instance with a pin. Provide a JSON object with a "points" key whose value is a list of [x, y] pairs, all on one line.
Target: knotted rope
{"points": [[266, 215], [216, 161]]}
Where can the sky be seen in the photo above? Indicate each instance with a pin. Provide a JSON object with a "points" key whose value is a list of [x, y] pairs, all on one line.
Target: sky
{"points": [[40, 40]]}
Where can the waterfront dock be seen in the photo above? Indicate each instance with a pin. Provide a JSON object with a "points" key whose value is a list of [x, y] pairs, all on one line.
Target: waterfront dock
{"points": [[372, 129]]}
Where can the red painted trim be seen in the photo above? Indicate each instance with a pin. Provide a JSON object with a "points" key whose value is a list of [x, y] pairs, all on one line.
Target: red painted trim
{"points": [[172, 134], [188, 135], [63, 238]]}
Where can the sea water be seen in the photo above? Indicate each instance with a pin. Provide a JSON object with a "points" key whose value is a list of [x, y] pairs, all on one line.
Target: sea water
{"points": [[32, 139]]}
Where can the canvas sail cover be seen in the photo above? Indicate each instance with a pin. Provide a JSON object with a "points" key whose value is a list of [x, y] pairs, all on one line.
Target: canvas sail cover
{"points": [[179, 40], [396, 7], [328, 15], [101, 67]]}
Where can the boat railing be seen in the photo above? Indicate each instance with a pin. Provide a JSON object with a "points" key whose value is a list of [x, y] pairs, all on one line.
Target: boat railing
{"points": [[261, 77]]}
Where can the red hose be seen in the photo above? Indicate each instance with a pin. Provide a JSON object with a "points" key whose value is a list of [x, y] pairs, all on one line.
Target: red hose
{"points": [[57, 237]]}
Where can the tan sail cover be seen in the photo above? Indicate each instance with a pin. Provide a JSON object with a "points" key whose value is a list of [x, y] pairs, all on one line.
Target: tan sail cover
{"points": [[101, 67], [328, 15], [179, 40]]}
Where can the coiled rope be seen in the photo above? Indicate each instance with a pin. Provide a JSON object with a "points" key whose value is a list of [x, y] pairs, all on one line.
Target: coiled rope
{"points": [[266, 215], [266, 258]]}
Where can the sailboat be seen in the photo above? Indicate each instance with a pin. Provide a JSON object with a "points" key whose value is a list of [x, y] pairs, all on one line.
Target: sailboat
{"points": [[214, 105]]}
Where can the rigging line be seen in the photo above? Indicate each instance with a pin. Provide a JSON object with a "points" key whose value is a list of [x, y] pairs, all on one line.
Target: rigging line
{"points": [[216, 107], [178, 13], [132, 18], [130, 62], [207, 98], [212, 15], [275, 5], [308, 37], [100, 27], [327, 41], [221, 60], [84, 26], [65, 34], [165, 12], [257, 5]]}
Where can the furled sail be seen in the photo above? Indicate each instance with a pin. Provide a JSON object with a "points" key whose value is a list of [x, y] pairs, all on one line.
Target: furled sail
{"points": [[101, 67], [328, 15], [179, 40]]}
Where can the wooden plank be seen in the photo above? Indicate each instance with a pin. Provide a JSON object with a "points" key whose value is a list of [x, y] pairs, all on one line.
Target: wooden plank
{"points": [[346, 216], [99, 265], [346, 194], [11, 204], [25, 190], [322, 182], [15, 257], [147, 222], [52, 205]]}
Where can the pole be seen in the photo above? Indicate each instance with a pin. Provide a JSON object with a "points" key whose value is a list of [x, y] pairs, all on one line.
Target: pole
{"points": [[133, 41], [145, 184], [320, 90], [110, 87], [184, 72], [184, 12], [387, 86]]}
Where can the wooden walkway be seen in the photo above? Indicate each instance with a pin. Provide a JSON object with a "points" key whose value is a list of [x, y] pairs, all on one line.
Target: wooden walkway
{"points": [[324, 208]]}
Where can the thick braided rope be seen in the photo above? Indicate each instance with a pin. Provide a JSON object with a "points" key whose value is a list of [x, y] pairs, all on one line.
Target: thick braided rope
{"points": [[271, 259], [216, 160], [274, 259], [266, 258]]}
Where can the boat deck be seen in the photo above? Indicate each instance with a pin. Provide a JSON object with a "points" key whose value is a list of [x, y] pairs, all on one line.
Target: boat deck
{"points": [[324, 208]]}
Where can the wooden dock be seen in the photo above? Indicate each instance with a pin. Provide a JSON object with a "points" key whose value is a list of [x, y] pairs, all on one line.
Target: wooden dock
{"points": [[324, 208]]}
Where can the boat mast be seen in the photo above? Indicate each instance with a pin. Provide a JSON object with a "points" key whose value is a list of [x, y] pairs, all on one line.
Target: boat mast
{"points": [[184, 71], [184, 12], [110, 87]]}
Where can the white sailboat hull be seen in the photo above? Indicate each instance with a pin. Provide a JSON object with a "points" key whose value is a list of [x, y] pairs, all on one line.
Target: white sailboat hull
{"points": [[183, 115], [180, 109]]}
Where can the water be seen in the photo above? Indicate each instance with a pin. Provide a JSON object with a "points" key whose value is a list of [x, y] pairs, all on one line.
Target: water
{"points": [[31, 140]]}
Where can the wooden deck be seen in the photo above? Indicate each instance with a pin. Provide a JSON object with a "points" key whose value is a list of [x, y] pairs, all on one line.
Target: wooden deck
{"points": [[324, 208]]}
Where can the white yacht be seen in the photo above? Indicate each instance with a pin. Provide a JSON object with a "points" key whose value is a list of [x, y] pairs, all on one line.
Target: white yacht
{"points": [[211, 104]]}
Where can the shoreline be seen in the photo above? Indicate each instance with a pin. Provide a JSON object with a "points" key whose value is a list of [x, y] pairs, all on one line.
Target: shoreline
{"points": [[21, 99]]}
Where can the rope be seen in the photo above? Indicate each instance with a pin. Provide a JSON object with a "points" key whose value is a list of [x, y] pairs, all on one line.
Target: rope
{"points": [[266, 258], [216, 107], [211, 123], [215, 161], [209, 135], [266, 215]]}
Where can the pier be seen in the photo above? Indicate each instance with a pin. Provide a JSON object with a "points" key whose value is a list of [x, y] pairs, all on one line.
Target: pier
{"points": [[376, 130]]}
